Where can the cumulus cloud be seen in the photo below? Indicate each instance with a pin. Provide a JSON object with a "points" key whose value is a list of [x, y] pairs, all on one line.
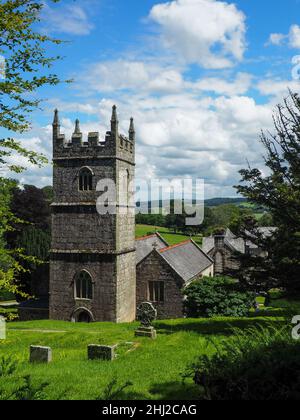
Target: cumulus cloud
{"points": [[208, 32], [276, 39], [69, 19], [292, 38], [178, 135], [239, 86], [127, 75], [277, 88], [187, 126]]}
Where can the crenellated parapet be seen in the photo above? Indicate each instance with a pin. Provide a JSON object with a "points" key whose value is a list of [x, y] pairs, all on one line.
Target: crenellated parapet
{"points": [[113, 145]]}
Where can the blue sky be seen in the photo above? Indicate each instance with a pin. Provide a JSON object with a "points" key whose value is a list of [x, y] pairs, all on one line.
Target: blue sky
{"points": [[200, 77]]}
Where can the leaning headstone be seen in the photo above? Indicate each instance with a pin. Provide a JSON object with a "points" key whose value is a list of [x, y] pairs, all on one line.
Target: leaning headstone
{"points": [[40, 354], [97, 352], [146, 314]]}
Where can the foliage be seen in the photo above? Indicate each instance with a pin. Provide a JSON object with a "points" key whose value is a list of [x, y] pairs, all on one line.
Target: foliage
{"points": [[280, 193], [27, 69], [266, 220], [10, 260], [256, 364], [225, 215], [114, 390], [7, 366], [26, 391], [25, 53], [218, 296]]}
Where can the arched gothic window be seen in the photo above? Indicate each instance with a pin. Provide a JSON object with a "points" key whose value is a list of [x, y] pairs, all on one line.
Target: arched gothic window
{"points": [[85, 180], [84, 286]]}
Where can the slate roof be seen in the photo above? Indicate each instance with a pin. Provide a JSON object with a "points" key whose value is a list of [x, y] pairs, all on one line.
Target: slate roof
{"points": [[266, 232], [235, 243], [187, 259], [232, 241], [146, 244]]}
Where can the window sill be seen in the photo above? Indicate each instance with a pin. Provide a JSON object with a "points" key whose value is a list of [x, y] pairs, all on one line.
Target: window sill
{"points": [[83, 300]]}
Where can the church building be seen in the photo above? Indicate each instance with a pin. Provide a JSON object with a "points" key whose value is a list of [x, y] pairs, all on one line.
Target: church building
{"points": [[98, 270]]}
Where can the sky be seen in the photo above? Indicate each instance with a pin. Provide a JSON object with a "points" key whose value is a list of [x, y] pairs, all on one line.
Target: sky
{"points": [[200, 77]]}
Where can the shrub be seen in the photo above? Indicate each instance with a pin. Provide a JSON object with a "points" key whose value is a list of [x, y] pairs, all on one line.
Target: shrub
{"points": [[218, 296], [253, 365]]}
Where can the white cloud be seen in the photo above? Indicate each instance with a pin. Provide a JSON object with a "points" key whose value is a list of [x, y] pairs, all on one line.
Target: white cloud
{"points": [[127, 75], [208, 32], [69, 19], [239, 86], [178, 135], [276, 39], [292, 38], [186, 126], [277, 88]]}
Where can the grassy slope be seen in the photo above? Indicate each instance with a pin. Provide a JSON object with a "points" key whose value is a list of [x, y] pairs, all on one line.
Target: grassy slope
{"points": [[153, 367], [171, 238]]}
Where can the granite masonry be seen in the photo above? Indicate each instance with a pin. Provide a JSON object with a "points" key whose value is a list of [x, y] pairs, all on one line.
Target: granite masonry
{"points": [[97, 352], [92, 266], [40, 354]]}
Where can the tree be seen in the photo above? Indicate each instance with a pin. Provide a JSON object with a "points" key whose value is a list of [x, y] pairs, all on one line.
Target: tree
{"points": [[33, 235], [279, 192], [218, 296], [27, 68]]}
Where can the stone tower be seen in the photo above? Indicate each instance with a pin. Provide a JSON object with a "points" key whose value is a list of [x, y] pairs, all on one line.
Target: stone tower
{"points": [[93, 260]]}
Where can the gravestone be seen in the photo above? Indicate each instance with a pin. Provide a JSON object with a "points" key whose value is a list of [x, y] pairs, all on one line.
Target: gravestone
{"points": [[146, 314], [40, 354], [97, 352], [2, 328]]}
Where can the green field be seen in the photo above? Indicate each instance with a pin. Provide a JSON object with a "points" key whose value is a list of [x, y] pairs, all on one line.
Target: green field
{"points": [[153, 367], [171, 238]]}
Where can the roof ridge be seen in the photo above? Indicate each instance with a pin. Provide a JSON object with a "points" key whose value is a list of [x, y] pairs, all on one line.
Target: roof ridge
{"points": [[146, 236], [175, 246]]}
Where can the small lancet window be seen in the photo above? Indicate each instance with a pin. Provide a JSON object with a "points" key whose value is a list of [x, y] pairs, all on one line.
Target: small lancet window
{"points": [[84, 286], [85, 180]]}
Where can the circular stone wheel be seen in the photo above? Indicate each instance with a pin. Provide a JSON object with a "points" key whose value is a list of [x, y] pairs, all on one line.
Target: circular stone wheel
{"points": [[146, 313]]}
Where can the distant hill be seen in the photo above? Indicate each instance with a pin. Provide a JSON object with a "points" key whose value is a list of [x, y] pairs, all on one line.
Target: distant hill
{"points": [[214, 202]]}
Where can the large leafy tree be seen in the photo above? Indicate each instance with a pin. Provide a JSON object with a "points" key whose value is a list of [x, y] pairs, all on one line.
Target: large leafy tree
{"points": [[279, 191], [25, 69]]}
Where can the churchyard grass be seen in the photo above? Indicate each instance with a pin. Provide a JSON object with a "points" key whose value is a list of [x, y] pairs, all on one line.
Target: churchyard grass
{"points": [[153, 367]]}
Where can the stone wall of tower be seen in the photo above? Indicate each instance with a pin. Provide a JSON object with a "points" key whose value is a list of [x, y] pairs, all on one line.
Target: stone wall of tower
{"points": [[82, 239]]}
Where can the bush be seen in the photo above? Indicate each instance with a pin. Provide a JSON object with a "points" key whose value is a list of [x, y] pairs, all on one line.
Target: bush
{"points": [[252, 366], [6, 296], [218, 296]]}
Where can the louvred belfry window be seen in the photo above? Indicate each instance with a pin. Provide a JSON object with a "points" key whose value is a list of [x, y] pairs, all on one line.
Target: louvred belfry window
{"points": [[85, 180]]}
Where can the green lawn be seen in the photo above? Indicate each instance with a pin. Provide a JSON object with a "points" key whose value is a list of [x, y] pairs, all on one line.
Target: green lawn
{"points": [[153, 367], [171, 238]]}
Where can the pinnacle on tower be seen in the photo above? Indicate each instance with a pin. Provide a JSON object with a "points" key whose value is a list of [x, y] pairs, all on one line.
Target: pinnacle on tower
{"points": [[114, 121], [114, 117], [131, 130], [77, 127], [56, 117], [56, 125]]}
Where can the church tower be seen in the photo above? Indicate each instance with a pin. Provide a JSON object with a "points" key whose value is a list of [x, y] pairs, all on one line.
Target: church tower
{"points": [[93, 260]]}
